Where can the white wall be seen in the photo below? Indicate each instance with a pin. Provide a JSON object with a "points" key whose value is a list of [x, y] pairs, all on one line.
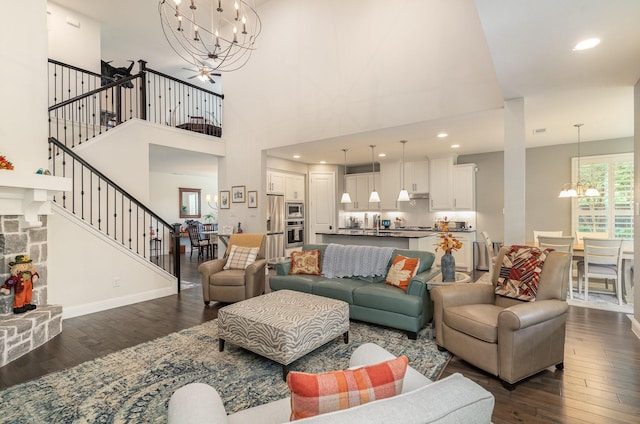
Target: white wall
{"points": [[83, 264], [23, 84], [126, 147], [74, 38], [163, 193]]}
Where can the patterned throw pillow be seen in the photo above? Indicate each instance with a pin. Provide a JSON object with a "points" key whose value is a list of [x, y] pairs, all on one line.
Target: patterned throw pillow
{"points": [[241, 257], [402, 270], [307, 262], [520, 272], [314, 394]]}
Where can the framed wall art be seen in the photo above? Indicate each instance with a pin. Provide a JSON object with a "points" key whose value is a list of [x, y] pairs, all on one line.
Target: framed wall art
{"points": [[238, 194], [252, 199], [224, 200]]}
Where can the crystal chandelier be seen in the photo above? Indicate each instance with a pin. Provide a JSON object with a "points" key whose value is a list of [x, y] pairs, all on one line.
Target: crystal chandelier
{"points": [[211, 35], [581, 188]]}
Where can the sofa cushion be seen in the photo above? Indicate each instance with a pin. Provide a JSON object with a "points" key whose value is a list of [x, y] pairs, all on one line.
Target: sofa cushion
{"points": [[401, 271], [241, 257], [339, 288], [479, 320], [387, 298], [314, 394], [228, 277], [305, 262], [302, 283]]}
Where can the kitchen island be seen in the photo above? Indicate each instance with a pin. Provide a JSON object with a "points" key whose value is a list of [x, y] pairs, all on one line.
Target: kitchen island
{"points": [[414, 240]]}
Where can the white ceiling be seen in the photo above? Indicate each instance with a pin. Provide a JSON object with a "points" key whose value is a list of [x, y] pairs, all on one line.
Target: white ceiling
{"points": [[528, 44]]}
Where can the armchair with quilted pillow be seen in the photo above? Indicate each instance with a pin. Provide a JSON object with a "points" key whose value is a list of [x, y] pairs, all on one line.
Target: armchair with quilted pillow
{"points": [[239, 275], [516, 333]]}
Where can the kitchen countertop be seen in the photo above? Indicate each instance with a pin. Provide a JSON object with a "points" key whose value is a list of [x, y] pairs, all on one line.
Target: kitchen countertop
{"points": [[382, 233]]}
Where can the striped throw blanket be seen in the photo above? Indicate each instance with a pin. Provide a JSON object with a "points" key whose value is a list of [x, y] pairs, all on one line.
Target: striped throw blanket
{"points": [[355, 261]]}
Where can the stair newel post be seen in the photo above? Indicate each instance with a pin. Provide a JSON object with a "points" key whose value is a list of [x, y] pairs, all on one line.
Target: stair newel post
{"points": [[176, 251], [143, 89]]}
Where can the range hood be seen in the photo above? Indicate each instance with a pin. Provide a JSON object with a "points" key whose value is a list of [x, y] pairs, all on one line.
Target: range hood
{"points": [[418, 195]]}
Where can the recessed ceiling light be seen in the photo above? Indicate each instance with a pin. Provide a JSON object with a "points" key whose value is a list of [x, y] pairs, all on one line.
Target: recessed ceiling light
{"points": [[587, 44], [381, 155], [442, 135], [296, 156], [455, 146], [323, 162]]}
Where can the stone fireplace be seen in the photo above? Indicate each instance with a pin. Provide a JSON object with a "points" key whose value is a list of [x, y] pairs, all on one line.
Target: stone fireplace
{"points": [[24, 204]]}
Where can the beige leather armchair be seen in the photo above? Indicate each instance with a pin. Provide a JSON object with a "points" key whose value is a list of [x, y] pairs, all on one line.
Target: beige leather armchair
{"points": [[509, 338], [234, 285]]}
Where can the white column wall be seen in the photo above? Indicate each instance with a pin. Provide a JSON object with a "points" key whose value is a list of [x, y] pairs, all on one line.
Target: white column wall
{"points": [[23, 84], [514, 172], [636, 214]]}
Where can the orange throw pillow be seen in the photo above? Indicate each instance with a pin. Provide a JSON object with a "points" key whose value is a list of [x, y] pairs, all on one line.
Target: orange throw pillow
{"points": [[306, 262], [402, 270], [315, 394]]}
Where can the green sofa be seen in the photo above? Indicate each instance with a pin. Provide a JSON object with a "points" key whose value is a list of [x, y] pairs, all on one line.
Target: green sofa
{"points": [[370, 298]]}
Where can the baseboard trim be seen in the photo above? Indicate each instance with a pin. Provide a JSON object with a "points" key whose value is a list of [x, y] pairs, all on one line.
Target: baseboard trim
{"points": [[76, 311]]}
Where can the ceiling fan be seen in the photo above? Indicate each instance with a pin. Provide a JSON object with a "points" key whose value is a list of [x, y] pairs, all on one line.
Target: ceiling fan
{"points": [[204, 74]]}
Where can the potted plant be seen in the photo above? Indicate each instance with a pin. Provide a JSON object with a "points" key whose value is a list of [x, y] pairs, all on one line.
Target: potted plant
{"points": [[448, 243]]}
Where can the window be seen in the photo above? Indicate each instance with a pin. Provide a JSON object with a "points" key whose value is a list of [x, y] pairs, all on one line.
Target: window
{"points": [[612, 212]]}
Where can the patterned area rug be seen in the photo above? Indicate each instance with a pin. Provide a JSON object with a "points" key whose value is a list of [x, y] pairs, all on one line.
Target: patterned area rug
{"points": [[608, 302], [135, 384]]}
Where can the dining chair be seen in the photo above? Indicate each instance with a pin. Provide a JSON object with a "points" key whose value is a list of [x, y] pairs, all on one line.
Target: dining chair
{"points": [[536, 234], [197, 242], [580, 235], [491, 257], [602, 259], [561, 244]]}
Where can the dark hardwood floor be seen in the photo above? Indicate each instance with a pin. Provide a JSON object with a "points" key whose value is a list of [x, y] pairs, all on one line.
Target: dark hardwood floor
{"points": [[600, 382]]}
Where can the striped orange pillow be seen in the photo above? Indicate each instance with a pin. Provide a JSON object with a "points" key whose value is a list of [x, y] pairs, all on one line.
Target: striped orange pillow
{"points": [[315, 394]]}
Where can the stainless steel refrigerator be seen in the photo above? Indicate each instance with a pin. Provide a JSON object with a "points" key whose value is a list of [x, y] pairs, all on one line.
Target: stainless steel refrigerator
{"points": [[275, 226]]}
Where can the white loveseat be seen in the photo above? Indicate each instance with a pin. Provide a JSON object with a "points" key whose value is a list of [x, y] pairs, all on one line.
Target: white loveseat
{"points": [[454, 399]]}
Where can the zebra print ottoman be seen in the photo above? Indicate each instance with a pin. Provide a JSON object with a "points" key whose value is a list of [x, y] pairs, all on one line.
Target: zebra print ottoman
{"points": [[284, 325]]}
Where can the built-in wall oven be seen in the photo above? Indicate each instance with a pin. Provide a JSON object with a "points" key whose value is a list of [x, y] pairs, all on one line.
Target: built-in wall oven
{"points": [[294, 232]]}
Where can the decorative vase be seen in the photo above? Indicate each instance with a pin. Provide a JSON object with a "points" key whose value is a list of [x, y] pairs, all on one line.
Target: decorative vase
{"points": [[448, 267]]}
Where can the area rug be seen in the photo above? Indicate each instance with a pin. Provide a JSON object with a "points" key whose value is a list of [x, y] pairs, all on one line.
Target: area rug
{"points": [[607, 302], [135, 384]]}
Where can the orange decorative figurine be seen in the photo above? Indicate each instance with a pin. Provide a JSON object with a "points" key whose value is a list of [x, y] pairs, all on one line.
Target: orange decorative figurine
{"points": [[22, 277]]}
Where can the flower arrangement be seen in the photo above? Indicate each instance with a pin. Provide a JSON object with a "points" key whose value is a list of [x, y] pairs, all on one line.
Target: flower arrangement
{"points": [[447, 241], [5, 164]]}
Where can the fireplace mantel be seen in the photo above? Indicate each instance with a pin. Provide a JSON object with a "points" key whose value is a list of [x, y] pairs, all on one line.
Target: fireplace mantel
{"points": [[29, 195]]}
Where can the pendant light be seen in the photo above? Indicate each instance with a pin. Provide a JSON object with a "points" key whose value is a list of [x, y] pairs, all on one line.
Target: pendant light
{"points": [[374, 197], [580, 189], [345, 196], [403, 196]]}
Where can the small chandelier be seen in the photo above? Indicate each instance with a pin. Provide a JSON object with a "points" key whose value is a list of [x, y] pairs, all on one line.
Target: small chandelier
{"points": [[211, 35], [581, 188], [403, 196], [345, 196], [374, 197]]}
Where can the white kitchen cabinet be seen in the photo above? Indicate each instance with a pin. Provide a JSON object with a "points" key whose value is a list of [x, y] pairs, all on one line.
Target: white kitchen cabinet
{"points": [[359, 188], [464, 187], [275, 182], [390, 185], [417, 177], [294, 188], [441, 184], [463, 256], [451, 187]]}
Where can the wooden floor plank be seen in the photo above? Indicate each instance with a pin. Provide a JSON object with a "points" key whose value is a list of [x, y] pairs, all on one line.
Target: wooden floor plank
{"points": [[600, 382]]}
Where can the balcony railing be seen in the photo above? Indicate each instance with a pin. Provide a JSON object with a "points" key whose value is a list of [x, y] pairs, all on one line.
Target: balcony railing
{"points": [[82, 108]]}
